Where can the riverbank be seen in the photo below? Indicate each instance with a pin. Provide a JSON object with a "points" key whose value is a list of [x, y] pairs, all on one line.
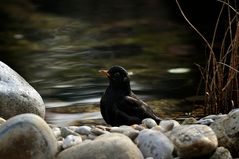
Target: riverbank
{"points": [[29, 136]]}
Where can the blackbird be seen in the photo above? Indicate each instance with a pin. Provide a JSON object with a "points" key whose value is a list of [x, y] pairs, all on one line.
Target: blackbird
{"points": [[119, 105]]}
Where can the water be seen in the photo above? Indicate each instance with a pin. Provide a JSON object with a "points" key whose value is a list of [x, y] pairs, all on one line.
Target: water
{"points": [[58, 47]]}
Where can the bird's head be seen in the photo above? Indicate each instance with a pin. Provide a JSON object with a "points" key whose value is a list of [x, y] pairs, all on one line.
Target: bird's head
{"points": [[118, 76]]}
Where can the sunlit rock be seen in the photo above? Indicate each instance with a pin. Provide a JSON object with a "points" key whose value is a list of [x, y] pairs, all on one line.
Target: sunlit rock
{"points": [[192, 141]]}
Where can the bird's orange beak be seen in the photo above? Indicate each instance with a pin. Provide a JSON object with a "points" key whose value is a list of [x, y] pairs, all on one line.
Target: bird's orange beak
{"points": [[104, 73]]}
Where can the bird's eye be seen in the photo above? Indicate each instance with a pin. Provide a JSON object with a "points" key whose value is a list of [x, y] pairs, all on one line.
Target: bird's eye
{"points": [[117, 75]]}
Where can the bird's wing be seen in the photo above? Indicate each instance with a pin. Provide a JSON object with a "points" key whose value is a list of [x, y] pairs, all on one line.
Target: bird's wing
{"points": [[135, 107]]}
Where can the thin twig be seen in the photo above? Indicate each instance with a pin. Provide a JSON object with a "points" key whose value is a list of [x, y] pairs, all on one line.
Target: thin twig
{"points": [[204, 39], [229, 6]]}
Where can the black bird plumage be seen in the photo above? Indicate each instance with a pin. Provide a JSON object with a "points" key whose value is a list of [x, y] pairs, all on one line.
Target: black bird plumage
{"points": [[119, 105]]}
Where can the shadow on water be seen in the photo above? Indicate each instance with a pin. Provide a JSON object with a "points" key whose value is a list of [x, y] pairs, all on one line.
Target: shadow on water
{"points": [[59, 46]]}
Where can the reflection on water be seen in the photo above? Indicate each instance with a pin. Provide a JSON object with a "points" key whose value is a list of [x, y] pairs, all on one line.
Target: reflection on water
{"points": [[60, 46]]}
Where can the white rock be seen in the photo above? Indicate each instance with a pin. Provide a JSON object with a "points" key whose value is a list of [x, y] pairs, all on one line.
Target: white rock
{"points": [[83, 130], [17, 96], [71, 140], [149, 123], [192, 141], [154, 144]]}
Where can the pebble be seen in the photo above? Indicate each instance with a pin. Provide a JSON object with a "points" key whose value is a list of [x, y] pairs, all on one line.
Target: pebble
{"points": [[149, 123], [98, 131], [138, 127], [192, 141], [167, 125], [205, 121], [154, 144], [27, 136], [73, 128], [221, 153], [83, 130], [66, 131], [71, 140], [189, 121], [164, 141]]}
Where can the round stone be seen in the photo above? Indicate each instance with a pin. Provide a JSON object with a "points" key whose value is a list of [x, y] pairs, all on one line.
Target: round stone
{"points": [[192, 141], [227, 130], [83, 130], [149, 123], [17, 96], [154, 144], [167, 125], [27, 136], [221, 153], [105, 146], [71, 140]]}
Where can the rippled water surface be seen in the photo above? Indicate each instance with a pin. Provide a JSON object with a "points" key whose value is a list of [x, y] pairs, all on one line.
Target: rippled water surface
{"points": [[58, 47]]}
